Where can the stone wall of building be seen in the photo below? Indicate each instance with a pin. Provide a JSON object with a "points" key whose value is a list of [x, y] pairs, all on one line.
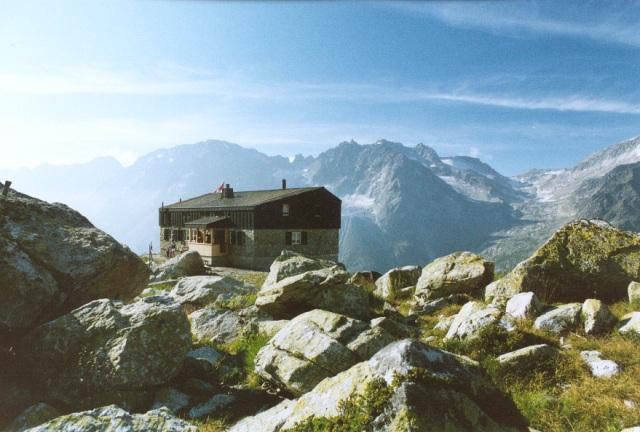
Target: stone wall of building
{"points": [[262, 247], [268, 244]]}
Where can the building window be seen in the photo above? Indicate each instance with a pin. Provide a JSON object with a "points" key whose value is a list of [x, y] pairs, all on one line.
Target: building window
{"points": [[167, 234], [285, 209], [296, 237]]}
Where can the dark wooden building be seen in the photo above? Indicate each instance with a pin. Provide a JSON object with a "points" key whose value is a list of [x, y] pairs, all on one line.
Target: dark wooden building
{"points": [[250, 229]]}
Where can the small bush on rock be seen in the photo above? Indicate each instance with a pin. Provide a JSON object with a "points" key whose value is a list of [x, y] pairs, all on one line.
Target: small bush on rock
{"points": [[356, 412]]}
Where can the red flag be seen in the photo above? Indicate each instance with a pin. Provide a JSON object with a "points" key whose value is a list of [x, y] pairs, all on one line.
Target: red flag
{"points": [[219, 188]]}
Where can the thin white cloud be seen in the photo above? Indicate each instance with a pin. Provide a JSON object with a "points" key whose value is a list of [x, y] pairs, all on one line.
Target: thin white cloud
{"points": [[177, 81], [603, 21], [565, 103]]}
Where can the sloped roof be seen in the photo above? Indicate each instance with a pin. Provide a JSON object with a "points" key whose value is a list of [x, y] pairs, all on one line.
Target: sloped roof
{"points": [[210, 221], [241, 200]]}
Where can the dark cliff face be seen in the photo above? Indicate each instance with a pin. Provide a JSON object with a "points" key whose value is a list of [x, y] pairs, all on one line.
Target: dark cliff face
{"points": [[614, 197]]}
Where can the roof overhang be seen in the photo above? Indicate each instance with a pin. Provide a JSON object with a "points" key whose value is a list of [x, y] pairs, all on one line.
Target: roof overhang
{"points": [[211, 222]]}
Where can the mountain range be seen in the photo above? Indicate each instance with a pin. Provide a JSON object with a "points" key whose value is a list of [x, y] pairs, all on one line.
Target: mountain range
{"points": [[400, 205]]}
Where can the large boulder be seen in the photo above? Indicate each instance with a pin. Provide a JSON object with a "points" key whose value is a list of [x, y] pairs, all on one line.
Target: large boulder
{"points": [[472, 318], [559, 319], [440, 391], [458, 273], [105, 352], [198, 291], [113, 418], [292, 263], [397, 283], [52, 260], [186, 264], [328, 288], [583, 259], [314, 346], [220, 326]]}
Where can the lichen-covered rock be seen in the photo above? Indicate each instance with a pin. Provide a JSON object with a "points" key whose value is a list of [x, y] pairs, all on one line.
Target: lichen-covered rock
{"points": [[202, 362], [52, 259], [346, 299], [583, 259], [221, 326], [458, 273], [633, 291], [113, 418], [630, 323], [269, 328], [34, 416], [471, 319], [433, 306], [523, 306], [292, 263], [170, 398], [210, 407], [394, 283], [444, 323], [559, 319], [314, 346], [199, 291], [396, 329], [597, 317], [453, 394], [186, 264], [326, 288], [599, 368], [105, 349], [529, 358]]}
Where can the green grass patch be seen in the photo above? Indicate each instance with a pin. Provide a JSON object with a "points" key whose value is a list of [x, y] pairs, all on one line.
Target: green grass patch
{"points": [[245, 350], [494, 340], [254, 278], [566, 397], [237, 302]]}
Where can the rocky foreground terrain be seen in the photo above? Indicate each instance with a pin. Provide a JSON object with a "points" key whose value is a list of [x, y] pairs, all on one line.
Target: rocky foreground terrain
{"points": [[93, 338]]}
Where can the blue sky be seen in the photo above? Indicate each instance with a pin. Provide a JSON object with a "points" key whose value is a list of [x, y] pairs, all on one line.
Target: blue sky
{"points": [[520, 85]]}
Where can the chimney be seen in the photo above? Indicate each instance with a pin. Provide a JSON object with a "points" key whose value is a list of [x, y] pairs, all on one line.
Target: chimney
{"points": [[284, 183], [7, 185], [227, 192]]}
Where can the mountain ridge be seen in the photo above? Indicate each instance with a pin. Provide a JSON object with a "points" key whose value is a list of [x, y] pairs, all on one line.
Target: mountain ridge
{"points": [[401, 205]]}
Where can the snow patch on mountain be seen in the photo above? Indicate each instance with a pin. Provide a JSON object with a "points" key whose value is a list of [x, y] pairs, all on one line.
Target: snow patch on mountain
{"points": [[358, 201]]}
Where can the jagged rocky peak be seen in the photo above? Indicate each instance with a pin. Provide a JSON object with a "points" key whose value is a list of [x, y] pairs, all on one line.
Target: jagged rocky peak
{"points": [[427, 153]]}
